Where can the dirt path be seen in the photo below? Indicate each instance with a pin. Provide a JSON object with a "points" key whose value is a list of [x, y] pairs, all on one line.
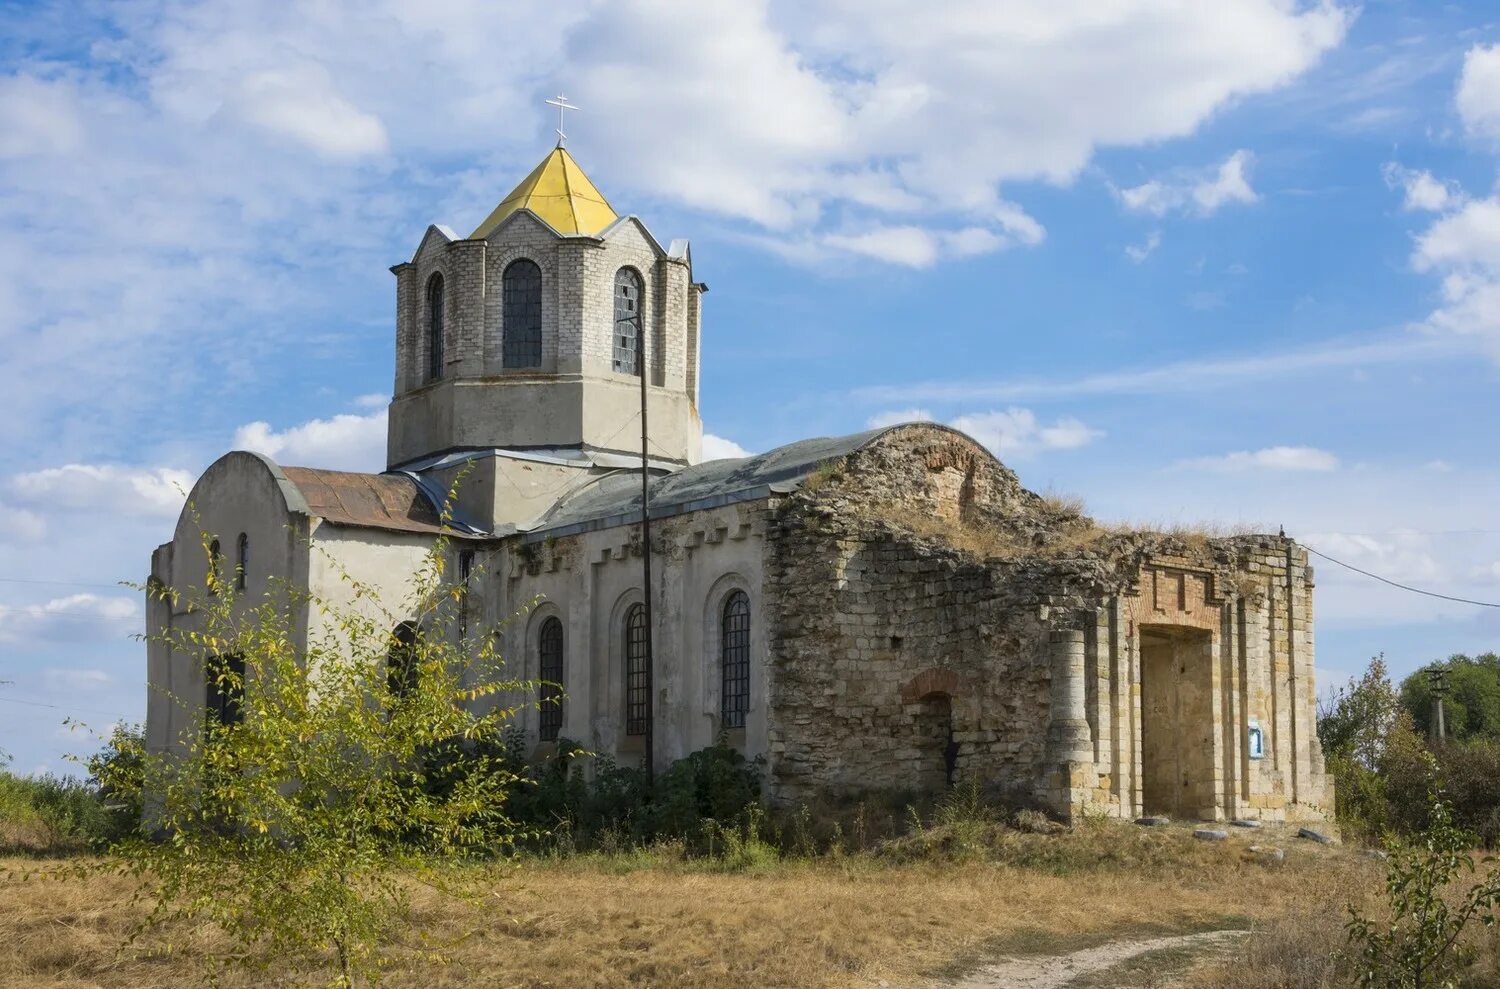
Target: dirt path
{"points": [[1057, 971]]}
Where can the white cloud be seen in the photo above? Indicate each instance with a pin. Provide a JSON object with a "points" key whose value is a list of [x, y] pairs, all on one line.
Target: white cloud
{"points": [[1181, 376], [895, 417], [21, 525], [1478, 98], [112, 488], [76, 680], [1142, 251], [1463, 247], [343, 442], [1016, 432], [1407, 557], [905, 245], [1200, 193], [719, 448], [37, 118], [301, 103], [1276, 458], [75, 618], [1423, 191], [263, 158], [1013, 432]]}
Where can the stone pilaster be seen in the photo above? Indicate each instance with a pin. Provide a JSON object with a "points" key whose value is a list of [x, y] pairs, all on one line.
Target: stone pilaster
{"points": [[1070, 748]]}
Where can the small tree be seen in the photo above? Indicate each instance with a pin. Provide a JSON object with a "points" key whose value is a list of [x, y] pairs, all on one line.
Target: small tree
{"points": [[1472, 705], [1418, 947], [1378, 762], [297, 816], [1354, 722]]}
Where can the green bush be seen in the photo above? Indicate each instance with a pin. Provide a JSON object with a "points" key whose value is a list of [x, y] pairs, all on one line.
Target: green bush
{"points": [[51, 814], [558, 806], [1471, 783], [1430, 906]]}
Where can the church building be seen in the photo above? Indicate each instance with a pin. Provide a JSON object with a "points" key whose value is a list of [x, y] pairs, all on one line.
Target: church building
{"points": [[887, 611]]}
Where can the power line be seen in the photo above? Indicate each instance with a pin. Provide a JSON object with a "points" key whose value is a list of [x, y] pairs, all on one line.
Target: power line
{"points": [[1404, 587], [62, 583], [59, 707]]}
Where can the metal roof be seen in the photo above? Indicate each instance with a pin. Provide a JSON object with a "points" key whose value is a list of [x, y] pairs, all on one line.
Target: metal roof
{"points": [[615, 499], [372, 501], [560, 194]]}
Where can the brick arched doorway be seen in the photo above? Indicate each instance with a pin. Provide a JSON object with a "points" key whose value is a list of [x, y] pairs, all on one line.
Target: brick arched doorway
{"points": [[929, 697]]}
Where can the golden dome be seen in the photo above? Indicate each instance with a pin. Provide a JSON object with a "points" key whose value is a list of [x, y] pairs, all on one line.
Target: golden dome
{"points": [[559, 193]]}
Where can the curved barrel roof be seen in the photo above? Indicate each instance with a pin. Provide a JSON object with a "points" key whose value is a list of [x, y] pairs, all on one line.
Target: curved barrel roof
{"points": [[616, 498]]}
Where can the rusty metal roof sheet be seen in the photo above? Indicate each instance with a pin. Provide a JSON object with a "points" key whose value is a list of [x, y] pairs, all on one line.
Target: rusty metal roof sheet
{"points": [[371, 501]]}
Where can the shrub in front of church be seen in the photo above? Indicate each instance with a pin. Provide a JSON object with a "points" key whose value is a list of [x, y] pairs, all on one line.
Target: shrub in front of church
{"points": [[295, 819], [559, 807]]}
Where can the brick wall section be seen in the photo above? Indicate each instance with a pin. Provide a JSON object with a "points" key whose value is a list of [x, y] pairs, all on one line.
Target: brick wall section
{"points": [[578, 287], [1038, 652]]}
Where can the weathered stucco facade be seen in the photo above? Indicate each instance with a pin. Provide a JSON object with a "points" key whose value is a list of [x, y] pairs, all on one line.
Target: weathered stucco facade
{"points": [[885, 611]]}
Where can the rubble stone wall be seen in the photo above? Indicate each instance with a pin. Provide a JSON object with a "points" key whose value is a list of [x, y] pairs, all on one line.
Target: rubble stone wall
{"points": [[883, 634]]}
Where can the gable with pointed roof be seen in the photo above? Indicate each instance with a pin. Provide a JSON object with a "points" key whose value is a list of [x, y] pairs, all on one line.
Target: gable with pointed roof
{"points": [[560, 194]]}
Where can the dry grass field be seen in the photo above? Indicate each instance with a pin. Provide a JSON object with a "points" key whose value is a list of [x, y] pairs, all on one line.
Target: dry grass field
{"points": [[661, 920]]}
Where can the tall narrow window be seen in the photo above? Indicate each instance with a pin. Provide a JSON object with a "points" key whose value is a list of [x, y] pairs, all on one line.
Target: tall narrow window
{"points": [[549, 649], [637, 675], [521, 290], [243, 566], [225, 679], [401, 661], [435, 314], [465, 572], [735, 649], [628, 321], [215, 566]]}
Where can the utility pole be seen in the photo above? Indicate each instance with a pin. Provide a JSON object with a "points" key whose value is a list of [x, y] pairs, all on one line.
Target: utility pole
{"points": [[1438, 678], [640, 336]]}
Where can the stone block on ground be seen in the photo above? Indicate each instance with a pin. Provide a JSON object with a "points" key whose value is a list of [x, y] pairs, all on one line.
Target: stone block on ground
{"points": [[1210, 834], [1312, 835]]}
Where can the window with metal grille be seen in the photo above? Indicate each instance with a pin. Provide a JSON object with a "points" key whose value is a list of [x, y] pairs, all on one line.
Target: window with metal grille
{"points": [[549, 647], [735, 646], [244, 562], [435, 315], [225, 700], [637, 675], [627, 321], [215, 566], [401, 661], [521, 291], [465, 574]]}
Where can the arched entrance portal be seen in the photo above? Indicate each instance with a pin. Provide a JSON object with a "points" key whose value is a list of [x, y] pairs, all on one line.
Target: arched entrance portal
{"points": [[928, 698], [1177, 726], [939, 752]]}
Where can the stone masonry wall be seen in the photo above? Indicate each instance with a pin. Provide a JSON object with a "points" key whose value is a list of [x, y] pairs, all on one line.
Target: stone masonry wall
{"points": [[1030, 645]]}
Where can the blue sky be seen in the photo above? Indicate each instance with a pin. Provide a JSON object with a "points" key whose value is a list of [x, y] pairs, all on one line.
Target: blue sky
{"points": [[1236, 263]]}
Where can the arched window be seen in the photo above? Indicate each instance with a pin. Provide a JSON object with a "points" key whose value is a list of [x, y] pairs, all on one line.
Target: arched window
{"points": [[549, 647], [628, 338], [435, 314], [243, 566], [401, 661], [215, 566], [521, 292], [225, 679], [735, 651], [637, 675]]}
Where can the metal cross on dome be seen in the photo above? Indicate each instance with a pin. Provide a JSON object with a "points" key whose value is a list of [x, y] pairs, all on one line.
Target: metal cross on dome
{"points": [[562, 104]]}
